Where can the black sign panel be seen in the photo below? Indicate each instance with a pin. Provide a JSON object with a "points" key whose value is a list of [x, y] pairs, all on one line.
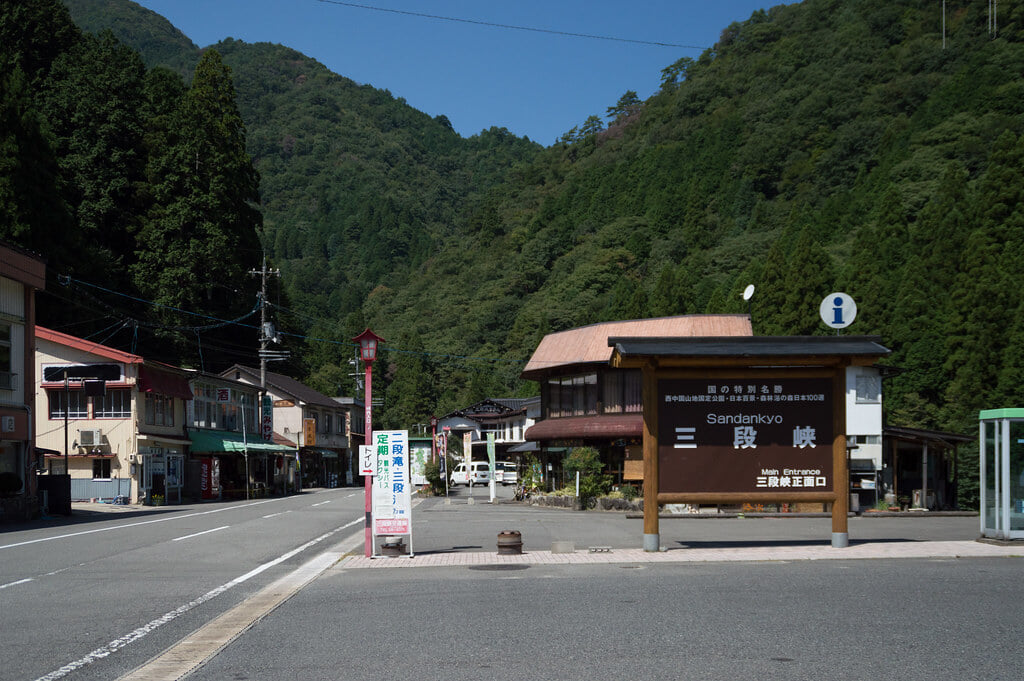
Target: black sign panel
{"points": [[765, 434], [76, 372]]}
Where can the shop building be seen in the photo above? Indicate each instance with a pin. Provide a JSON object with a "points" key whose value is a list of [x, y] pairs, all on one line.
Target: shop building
{"points": [[229, 458], [122, 437], [319, 426], [587, 402]]}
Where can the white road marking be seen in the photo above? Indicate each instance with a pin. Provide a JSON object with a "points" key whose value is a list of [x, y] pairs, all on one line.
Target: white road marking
{"points": [[321, 503], [122, 641], [189, 536], [20, 581], [141, 522]]}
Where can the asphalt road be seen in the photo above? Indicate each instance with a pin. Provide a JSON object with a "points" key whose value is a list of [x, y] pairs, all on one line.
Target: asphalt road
{"points": [[98, 597], [906, 620]]}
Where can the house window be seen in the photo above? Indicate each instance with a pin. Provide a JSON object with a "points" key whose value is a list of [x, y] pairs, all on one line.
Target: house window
{"points": [[869, 389], [159, 410], [6, 379], [612, 393], [101, 468], [59, 400], [327, 424], [634, 392], [115, 404], [572, 395]]}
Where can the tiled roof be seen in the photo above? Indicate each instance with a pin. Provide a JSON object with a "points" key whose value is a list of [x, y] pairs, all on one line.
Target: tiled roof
{"points": [[285, 384], [589, 344]]}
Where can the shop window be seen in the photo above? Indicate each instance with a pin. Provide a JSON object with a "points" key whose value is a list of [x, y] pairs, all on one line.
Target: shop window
{"points": [[115, 404], [101, 468], [59, 401]]}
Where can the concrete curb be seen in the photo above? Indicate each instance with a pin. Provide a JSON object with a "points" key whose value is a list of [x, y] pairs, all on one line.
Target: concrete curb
{"points": [[910, 549]]}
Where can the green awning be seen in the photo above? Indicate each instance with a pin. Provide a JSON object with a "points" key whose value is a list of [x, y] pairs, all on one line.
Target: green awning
{"points": [[213, 441]]}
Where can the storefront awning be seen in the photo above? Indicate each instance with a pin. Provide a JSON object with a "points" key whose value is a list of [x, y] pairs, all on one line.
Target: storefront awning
{"points": [[219, 441], [607, 426], [163, 383]]}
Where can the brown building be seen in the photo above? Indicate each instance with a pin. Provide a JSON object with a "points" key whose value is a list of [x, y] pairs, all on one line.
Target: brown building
{"points": [[586, 402], [21, 275]]}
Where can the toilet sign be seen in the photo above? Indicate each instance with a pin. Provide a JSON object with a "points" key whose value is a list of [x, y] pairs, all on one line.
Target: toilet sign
{"points": [[838, 310]]}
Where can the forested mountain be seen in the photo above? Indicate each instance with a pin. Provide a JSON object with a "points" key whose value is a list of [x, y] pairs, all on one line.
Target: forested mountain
{"points": [[819, 146]]}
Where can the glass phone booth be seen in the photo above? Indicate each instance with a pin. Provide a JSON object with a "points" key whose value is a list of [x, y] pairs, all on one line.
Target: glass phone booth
{"points": [[1002, 473]]}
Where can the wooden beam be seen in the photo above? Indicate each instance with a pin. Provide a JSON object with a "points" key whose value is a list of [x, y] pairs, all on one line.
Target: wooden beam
{"points": [[743, 497]]}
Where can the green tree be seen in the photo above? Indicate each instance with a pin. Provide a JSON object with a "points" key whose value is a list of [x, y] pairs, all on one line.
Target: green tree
{"points": [[809, 278], [200, 235], [409, 397], [628, 104], [32, 212]]}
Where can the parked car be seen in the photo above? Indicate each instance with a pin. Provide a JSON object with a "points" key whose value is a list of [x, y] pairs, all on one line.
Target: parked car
{"points": [[481, 474], [505, 473]]}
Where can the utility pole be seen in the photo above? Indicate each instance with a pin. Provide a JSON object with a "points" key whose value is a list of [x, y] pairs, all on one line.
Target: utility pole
{"points": [[266, 334]]}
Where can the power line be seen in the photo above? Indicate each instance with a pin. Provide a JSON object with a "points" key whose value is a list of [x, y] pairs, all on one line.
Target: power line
{"points": [[510, 26]]}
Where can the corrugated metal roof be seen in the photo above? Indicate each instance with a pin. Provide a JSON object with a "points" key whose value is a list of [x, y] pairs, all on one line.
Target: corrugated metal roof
{"points": [[583, 427], [588, 344]]}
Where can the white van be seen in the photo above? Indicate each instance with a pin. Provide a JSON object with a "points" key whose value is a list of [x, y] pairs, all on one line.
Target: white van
{"points": [[505, 473], [481, 474]]}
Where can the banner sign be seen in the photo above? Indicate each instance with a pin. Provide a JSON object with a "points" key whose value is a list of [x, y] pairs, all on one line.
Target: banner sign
{"points": [[367, 460], [267, 419], [308, 432], [764, 434], [392, 501]]}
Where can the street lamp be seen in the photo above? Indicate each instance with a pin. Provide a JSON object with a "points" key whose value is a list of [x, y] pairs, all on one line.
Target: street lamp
{"points": [[368, 344]]}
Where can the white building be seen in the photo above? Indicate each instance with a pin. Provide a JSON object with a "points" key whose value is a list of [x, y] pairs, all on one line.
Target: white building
{"points": [[127, 438]]}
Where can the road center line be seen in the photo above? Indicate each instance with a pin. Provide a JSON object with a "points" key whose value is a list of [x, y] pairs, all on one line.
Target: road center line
{"points": [[141, 522], [20, 581], [321, 503], [189, 536], [120, 642]]}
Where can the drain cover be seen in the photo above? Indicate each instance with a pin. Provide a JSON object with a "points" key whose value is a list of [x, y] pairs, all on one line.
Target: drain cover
{"points": [[499, 566]]}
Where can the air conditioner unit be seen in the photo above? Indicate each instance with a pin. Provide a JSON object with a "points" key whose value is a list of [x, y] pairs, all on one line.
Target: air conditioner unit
{"points": [[90, 438]]}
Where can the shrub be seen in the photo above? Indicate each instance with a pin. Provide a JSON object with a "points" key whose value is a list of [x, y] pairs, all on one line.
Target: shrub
{"points": [[587, 461]]}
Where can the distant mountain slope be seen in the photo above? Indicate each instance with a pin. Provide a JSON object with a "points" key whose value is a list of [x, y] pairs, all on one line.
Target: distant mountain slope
{"points": [[818, 146], [357, 186], [159, 42]]}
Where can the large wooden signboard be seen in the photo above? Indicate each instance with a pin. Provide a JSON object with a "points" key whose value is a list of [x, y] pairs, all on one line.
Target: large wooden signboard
{"points": [[745, 434]]}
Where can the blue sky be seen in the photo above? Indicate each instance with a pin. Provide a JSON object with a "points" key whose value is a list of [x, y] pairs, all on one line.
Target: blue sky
{"points": [[535, 84]]}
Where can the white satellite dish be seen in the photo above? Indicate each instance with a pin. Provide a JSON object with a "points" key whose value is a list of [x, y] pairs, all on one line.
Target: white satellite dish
{"points": [[748, 292]]}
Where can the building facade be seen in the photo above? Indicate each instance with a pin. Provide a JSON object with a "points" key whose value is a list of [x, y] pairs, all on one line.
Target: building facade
{"points": [[586, 402], [228, 456], [124, 439], [21, 275], [319, 426]]}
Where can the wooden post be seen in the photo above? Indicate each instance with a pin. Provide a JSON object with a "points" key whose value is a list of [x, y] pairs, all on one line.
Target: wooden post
{"points": [[652, 537], [840, 473]]}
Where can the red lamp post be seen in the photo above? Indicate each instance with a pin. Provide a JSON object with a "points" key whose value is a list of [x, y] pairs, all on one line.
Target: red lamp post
{"points": [[368, 343]]}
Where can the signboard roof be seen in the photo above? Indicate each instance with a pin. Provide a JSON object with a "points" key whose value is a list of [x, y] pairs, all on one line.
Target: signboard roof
{"points": [[802, 350]]}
